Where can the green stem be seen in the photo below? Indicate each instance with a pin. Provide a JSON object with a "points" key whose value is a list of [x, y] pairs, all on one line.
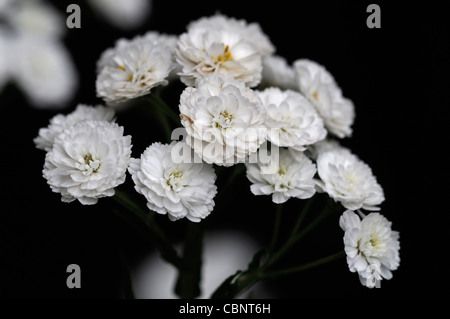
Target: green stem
{"points": [[312, 264], [188, 283], [294, 238], [302, 215], [155, 99], [128, 280], [158, 238], [276, 229]]}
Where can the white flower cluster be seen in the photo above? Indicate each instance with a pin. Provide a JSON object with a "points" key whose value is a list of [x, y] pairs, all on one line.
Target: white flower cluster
{"points": [[239, 101], [32, 54]]}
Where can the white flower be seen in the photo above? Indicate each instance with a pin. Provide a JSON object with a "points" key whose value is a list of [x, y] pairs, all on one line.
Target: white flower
{"points": [[372, 247], [87, 161], [124, 14], [291, 119], [282, 175], [224, 120], [132, 68], [277, 72], [348, 180], [251, 32], [219, 45], [43, 69], [60, 122], [177, 189], [36, 19], [318, 85]]}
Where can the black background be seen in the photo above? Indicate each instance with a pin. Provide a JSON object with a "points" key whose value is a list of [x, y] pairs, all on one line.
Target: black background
{"points": [[397, 78]]}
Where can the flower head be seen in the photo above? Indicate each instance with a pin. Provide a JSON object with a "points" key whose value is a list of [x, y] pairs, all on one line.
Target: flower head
{"points": [[177, 189], [87, 161], [282, 175], [224, 120], [291, 119], [132, 68], [43, 70], [221, 45], [60, 122], [319, 86], [372, 247], [124, 14], [348, 180]]}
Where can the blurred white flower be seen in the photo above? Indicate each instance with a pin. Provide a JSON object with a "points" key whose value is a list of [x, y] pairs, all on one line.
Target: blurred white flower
{"points": [[176, 189], [124, 14], [219, 45], [224, 120], [372, 247], [87, 161], [291, 119], [348, 180], [319, 86], [132, 68], [277, 72], [36, 19], [43, 69], [60, 122], [4, 59], [293, 176], [32, 55], [224, 251]]}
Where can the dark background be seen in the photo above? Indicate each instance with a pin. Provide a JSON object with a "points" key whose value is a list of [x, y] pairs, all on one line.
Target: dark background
{"points": [[396, 77]]}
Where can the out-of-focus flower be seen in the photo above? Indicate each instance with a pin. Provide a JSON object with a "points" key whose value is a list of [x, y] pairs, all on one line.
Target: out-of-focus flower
{"points": [[221, 45], [319, 86], [348, 180], [60, 122], [224, 120], [4, 60], [179, 190], [87, 161], [44, 71], [277, 72], [132, 68], [291, 119], [372, 247], [293, 176], [36, 19], [37, 61], [124, 14]]}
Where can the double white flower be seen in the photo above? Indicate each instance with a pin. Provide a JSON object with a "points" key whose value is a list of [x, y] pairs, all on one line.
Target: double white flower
{"points": [[225, 46], [283, 174], [348, 180], [60, 122], [87, 161], [174, 188], [319, 86], [291, 119], [133, 67], [224, 120], [372, 247]]}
